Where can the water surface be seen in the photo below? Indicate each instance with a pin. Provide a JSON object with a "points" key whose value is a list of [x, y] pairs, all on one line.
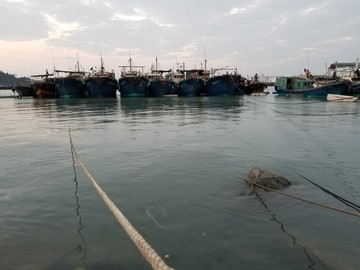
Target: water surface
{"points": [[174, 166]]}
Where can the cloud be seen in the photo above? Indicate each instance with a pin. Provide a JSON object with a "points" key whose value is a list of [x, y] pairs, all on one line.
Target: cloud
{"points": [[270, 35], [58, 30], [124, 17]]}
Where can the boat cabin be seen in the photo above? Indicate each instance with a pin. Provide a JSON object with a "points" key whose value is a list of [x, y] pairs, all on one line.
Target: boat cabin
{"points": [[294, 83]]}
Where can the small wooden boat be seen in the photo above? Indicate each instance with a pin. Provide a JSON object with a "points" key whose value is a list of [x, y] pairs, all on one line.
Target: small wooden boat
{"points": [[333, 97]]}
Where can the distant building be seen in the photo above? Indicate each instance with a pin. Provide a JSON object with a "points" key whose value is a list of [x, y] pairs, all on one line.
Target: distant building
{"points": [[269, 80]]}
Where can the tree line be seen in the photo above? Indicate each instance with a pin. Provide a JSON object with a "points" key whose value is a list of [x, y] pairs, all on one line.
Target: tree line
{"points": [[8, 80]]}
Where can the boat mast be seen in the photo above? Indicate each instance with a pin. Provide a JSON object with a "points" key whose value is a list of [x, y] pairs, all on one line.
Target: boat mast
{"points": [[156, 65], [102, 64], [130, 64], [205, 57]]}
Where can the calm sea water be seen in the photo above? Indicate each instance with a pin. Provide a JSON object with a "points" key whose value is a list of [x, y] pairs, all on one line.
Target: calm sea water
{"points": [[174, 166]]}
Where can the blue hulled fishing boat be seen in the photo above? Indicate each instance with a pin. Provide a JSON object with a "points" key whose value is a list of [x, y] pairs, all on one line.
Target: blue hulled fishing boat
{"points": [[194, 83], [308, 87], [71, 85], [101, 84], [160, 86], [225, 84], [133, 82]]}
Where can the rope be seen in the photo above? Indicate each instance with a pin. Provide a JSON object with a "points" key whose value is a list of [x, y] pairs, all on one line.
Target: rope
{"points": [[146, 250], [339, 198], [304, 200]]}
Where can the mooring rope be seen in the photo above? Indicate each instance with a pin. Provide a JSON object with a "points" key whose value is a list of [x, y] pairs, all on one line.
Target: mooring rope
{"points": [[304, 200], [339, 198], [146, 250]]}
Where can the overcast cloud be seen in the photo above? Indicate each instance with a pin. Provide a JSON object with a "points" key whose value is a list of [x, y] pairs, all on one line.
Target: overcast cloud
{"points": [[272, 37]]}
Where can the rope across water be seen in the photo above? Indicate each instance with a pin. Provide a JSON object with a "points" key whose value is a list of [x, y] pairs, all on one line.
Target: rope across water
{"points": [[146, 250], [303, 200]]}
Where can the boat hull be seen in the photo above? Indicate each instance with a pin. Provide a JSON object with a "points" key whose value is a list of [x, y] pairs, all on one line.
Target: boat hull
{"points": [[354, 88], [45, 89], [70, 87], [160, 88], [225, 85], [319, 91], [133, 86], [255, 88], [192, 87], [342, 98], [24, 91], [100, 87]]}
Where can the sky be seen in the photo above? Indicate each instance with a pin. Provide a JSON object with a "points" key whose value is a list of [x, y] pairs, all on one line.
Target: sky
{"points": [[271, 37]]}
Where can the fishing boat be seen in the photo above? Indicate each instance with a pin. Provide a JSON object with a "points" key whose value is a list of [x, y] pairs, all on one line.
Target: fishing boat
{"points": [[160, 86], [23, 90], [133, 82], [193, 83], [354, 88], [228, 84], [101, 83], [255, 87], [308, 87], [343, 98], [176, 76], [347, 71], [72, 84], [44, 86], [192, 86]]}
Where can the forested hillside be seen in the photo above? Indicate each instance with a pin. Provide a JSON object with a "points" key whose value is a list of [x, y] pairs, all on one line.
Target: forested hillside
{"points": [[7, 79]]}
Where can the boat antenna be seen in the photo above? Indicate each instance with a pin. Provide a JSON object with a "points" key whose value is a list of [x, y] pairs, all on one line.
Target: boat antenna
{"points": [[156, 64], [77, 62]]}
